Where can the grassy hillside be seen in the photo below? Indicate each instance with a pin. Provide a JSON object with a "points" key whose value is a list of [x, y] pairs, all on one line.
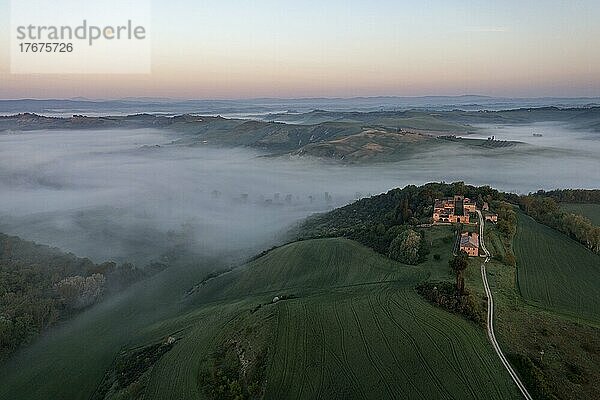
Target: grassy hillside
{"points": [[368, 345], [590, 211], [72, 357], [369, 145], [421, 120], [353, 328], [350, 325], [556, 272]]}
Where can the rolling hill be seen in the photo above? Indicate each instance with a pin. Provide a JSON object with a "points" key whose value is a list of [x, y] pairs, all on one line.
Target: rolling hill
{"points": [[362, 137], [351, 327], [460, 121], [348, 325], [329, 317]]}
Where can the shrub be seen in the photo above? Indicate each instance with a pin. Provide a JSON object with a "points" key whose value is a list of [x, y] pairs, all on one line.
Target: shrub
{"points": [[445, 295], [532, 376]]}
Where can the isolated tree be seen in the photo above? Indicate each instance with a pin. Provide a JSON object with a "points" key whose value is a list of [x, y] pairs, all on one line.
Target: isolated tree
{"points": [[458, 264], [405, 247]]}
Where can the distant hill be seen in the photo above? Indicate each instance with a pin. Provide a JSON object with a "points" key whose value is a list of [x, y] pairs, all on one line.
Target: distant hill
{"points": [[132, 105], [371, 137], [458, 121]]}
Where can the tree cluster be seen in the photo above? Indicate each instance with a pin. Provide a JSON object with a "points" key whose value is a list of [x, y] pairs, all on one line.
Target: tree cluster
{"points": [[408, 247], [378, 221], [80, 292], [507, 226], [579, 196], [40, 286], [444, 294]]}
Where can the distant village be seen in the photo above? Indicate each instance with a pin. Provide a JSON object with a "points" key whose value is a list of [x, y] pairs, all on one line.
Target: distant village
{"points": [[459, 210]]}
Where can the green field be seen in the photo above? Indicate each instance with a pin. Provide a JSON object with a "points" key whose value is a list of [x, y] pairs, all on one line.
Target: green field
{"points": [[569, 368], [353, 327], [357, 329], [383, 343], [590, 211], [556, 272]]}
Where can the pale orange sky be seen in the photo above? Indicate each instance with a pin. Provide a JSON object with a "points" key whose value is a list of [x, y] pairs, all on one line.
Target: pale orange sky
{"points": [[235, 49]]}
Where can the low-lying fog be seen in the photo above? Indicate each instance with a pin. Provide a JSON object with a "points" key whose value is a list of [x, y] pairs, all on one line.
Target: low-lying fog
{"points": [[130, 195], [547, 134], [117, 195]]}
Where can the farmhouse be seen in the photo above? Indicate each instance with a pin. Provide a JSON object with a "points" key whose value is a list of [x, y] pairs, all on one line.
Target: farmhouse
{"points": [[453, 209], [469, 243], [469, 206]]}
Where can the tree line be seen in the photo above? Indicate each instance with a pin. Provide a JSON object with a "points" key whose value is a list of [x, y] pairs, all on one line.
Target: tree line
{"points": [[546, 210], [579, 196]]}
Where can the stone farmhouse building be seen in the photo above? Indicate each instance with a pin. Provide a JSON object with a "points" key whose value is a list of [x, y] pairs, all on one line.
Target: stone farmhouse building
{"points": [[453, 209], [469, 243]]}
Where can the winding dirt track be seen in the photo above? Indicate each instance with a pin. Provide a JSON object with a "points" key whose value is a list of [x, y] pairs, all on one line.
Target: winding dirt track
{"points": [[490, 315]]}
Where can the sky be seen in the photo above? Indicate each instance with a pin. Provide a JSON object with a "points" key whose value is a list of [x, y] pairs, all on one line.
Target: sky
{"points": [[209, 49]]}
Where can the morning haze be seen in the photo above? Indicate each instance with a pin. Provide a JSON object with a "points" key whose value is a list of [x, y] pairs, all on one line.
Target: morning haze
{"points": [[216, 49]]}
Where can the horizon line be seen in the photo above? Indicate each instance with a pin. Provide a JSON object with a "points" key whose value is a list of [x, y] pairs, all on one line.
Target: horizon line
{"points": [[440, 96]]}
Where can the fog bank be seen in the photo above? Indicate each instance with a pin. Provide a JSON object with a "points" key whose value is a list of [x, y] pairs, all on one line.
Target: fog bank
{"points": [[131, 195]]}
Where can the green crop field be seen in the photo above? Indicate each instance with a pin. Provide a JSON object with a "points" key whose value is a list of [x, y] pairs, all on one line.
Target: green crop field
{"points": [[556, 272], [351, 326], [590, 211], [569, 368], [381, 342], [356, 329]]}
